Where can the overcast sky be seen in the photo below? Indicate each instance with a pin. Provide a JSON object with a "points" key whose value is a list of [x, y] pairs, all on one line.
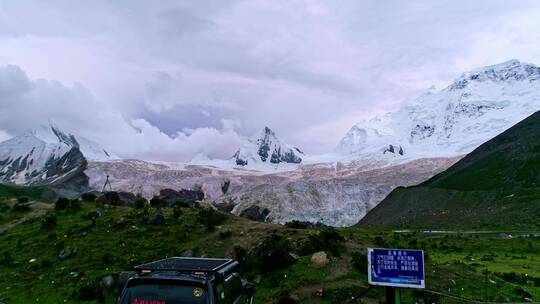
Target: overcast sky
{"points": [[169, 80]]}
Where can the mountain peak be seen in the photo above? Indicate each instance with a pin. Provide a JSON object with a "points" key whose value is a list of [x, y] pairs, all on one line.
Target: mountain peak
{"points": [[476, 107], [509, 71], [267, 148]]}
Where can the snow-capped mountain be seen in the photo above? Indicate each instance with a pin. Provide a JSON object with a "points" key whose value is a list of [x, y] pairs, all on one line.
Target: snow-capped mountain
{"points": [[476, 107], [46, 156], [39, 157], [267, 148]]}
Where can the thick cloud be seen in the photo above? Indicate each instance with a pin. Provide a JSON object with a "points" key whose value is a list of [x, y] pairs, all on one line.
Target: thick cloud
{"points": [[308, 68], [25, 103]]}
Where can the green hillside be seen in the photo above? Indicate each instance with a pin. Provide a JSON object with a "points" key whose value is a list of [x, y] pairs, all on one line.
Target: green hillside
{"points": [[495, 186], [39, 193], [62, 256]]}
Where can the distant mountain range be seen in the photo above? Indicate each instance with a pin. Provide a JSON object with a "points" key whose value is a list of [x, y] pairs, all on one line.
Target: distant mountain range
{"points": [[496, 185], [401, 148]]}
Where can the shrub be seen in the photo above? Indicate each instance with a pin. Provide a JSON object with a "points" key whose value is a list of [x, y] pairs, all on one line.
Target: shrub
{"points": [[181, 203], [49, 221], [379, 241], [177, 212], [327, 239], [111, 198], [88, 197], [61, 204], [157, 202], [6, 259], [23, 199], [273, 253], [21, 207], [286, 299], [140, 202], [241, 255], [75, 204], [360, 262], [225, 234], [46, 263], [210, 218], [297, 225], [88, 292]]}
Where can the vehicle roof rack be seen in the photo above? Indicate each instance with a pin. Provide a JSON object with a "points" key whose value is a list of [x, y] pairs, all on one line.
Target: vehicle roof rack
{"points": [[196, 266]]}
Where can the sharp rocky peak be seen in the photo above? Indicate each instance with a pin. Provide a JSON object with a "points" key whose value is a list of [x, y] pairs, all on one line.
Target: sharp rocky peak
{"points": [[267, 148]]}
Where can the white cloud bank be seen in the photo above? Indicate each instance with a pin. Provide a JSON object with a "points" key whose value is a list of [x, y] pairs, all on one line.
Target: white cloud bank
{"points": [[309, 69], [27, 104]]}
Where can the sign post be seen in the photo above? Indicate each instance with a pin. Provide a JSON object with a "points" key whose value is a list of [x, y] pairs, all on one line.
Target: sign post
{"points": [[396, 268]]}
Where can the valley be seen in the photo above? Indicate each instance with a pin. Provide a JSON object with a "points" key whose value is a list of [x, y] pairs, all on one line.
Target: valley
{"points": [[78, 261]]}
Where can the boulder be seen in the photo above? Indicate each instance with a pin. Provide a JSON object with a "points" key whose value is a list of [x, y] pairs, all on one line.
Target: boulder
{"points": [[94, 214], [319, 259], [255, 213], [187, 253], [126, 198], [66, 253], [190, 197]]}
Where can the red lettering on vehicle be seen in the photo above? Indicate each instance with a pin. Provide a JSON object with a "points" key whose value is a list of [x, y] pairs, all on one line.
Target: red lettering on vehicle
{"points": [[137, 301]]}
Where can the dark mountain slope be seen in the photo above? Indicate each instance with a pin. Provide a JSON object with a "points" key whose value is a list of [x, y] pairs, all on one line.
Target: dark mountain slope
{"points": [[495, 186]]}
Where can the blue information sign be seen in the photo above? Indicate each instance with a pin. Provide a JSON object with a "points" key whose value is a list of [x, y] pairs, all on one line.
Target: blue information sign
{"points": [[396, 267]]}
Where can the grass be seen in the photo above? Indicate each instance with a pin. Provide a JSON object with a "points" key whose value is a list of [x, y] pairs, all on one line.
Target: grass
{"points": [[38, 193], [31, 272]]}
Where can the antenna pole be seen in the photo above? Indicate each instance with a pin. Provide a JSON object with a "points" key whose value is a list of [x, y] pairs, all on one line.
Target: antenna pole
{"points": [[105, 185]]}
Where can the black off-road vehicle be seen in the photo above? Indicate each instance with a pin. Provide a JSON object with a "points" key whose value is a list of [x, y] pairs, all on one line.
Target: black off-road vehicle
{"points": [[181, 280]]}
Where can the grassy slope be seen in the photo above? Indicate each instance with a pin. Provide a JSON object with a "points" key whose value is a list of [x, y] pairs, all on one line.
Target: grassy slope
{"points": [[121, 239], [40, 193], [495, 186]]}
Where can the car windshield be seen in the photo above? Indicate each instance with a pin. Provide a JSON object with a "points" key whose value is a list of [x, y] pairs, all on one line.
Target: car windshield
{"points": [[164, 294]]}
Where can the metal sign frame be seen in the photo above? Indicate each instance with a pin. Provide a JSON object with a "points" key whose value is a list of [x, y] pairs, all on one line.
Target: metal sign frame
{"points": [[370, 270]]}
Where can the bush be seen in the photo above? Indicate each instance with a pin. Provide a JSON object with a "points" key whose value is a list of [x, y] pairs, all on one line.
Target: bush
{"points": [[111, 198], [273, 253], [23, 199], [157, 202], [21, 207], [225, 234], [327, 239], [210, 218], [140, 202], [88, 197], [49, 221], [66, 204], [181, 203], [75, 204], [88, 292], [360, 262], [177, 212], [6, 259], [61, 204], [379, 241], [241, 255], [297, 225], [46, 263]]}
